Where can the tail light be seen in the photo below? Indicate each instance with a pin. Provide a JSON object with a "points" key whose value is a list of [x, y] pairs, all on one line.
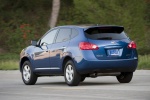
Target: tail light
{"points": [[87, 46], [132, 45]]}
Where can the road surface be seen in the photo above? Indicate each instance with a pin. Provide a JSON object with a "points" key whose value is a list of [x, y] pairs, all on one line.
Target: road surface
{"points": [[55, 88]]}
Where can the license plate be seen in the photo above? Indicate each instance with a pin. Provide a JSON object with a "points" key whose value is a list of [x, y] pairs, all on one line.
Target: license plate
{"points": [[113, 52]]}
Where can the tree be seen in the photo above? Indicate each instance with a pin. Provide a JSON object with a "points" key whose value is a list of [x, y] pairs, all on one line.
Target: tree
{"points": [[54, 13]]}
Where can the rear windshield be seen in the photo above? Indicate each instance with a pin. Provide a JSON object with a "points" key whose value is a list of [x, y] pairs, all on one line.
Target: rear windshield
{"points": [[105, 33]]}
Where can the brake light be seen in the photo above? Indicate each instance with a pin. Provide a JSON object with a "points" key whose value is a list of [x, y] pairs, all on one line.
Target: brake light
{"points": [[87, 46], [132, 45]]}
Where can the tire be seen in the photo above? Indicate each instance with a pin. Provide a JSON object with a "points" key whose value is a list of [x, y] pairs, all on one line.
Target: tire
{"points": [[72, 77], [82, 78], [125, 77], [28, 77]]}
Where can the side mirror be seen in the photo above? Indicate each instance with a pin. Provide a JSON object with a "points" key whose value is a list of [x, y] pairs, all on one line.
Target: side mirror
{"points": [[34, 43], [43, 44]]}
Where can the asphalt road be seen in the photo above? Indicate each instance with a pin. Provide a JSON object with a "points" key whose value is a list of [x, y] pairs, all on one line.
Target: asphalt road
{"points": [[55, 88]]}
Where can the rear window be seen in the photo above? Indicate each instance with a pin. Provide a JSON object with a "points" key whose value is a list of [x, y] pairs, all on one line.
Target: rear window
{"points": [[105, 33]]}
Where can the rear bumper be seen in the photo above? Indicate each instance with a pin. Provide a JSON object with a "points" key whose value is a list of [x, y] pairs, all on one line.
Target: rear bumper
{"points": [[106, 66]]}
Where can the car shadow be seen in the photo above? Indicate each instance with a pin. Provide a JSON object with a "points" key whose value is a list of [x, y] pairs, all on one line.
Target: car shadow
{"points": [[52, 83], [97, 83], [81, 84]]}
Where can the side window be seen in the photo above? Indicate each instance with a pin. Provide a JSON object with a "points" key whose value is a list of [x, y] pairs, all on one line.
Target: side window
{"points": [[74, 33], [63, 35], [49, 37]]}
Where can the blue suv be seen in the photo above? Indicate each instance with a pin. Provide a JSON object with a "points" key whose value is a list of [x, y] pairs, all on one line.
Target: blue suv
{"points": [[77, 52]]}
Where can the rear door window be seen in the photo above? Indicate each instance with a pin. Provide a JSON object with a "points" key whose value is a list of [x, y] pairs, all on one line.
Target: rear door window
{"points": [[105, 33], [74, 33], [63, 35]]}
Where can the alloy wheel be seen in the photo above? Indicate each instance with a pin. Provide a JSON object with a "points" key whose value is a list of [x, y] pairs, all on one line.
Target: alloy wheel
{"points": [[26, 73], [69, 73]]}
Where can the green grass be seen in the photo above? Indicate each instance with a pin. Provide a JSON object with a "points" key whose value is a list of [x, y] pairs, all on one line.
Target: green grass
{"points": [[9, 65], [9, 56], [10, 61], [144, 62]]}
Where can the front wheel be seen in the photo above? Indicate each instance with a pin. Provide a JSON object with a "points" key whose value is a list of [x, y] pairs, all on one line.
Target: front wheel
{"points": [[28, 77], [125, 77], [72, 77]]}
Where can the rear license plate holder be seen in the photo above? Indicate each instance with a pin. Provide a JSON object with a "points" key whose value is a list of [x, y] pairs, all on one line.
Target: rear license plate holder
{"points": [[113, 52]]}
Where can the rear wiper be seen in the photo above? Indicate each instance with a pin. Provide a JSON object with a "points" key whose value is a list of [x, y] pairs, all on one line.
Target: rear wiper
{"points": [[104, 38]]}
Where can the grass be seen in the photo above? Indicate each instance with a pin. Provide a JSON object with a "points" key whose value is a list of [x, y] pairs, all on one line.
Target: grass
{"points": [[9, 65], [10, 61], [9, 56], [144, 62]]}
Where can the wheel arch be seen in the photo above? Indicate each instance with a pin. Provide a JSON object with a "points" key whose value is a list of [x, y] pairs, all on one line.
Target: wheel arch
{"points": [[22, 61], [67, 58]]}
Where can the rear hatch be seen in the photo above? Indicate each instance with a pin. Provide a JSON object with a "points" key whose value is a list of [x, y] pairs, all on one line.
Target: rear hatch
{"points": [[111, 40]]}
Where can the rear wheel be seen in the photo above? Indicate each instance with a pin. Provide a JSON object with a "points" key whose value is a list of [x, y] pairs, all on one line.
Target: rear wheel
{"points": [[125, 77], [28, 77], [72, 77]]}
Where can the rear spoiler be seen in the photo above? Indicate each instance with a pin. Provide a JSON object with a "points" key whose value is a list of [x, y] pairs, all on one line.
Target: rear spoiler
{"points": [[105, 29]]}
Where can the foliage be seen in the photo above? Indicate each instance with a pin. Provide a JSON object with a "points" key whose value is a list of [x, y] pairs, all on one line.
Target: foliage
{"points": [[23, 20]]}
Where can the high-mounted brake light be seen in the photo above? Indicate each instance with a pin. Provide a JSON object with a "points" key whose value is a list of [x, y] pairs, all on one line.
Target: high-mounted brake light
{"points": [[132, 45], [87, 46]]}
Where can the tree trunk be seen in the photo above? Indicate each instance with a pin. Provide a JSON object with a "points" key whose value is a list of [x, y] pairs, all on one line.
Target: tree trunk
{"points": [[54, 13]]}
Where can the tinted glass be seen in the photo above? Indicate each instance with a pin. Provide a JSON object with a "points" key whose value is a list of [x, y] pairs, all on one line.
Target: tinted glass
{"points": [[74, 33], [49, 37], [106, 33], [63, 35]]}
